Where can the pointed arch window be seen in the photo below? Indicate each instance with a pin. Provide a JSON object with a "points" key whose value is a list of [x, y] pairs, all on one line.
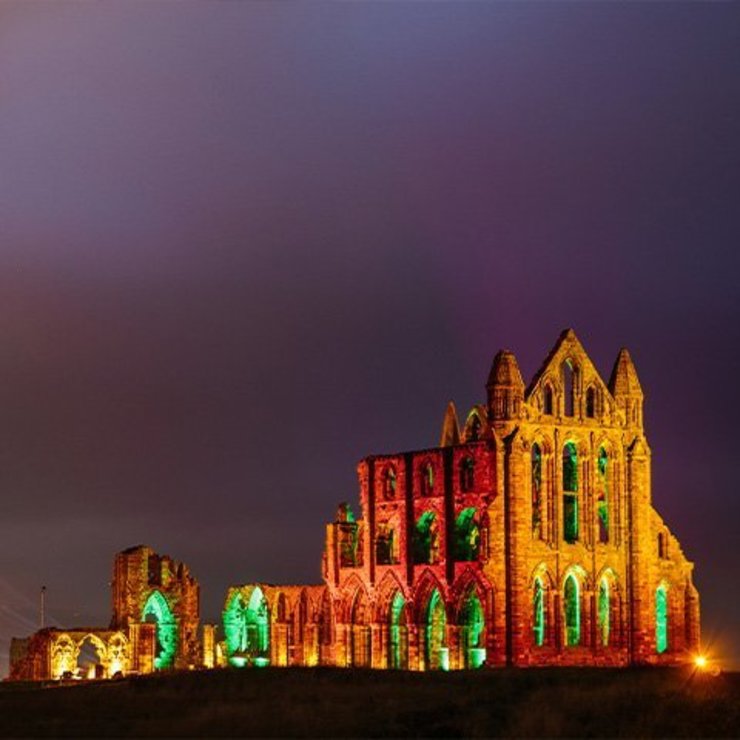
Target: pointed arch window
{"points": [[570, 488], [661, 619], [386, 547], [569, 388], [602, 503], [427, 480], [436, 653], [390, 482], [467, 474], [157, 610], [467, 535], [474, 427], [398, 655], [538, 613], [604, 612], [426, 539], [547, 401], [536, 491], [473, 624], [572, 603]]}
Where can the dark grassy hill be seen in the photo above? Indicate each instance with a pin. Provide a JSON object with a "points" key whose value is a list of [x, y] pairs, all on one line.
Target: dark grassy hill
{"points": [[329, 702]]}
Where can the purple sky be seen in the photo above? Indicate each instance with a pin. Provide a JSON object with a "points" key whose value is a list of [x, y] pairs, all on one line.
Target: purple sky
{"points": [[243, 245]]}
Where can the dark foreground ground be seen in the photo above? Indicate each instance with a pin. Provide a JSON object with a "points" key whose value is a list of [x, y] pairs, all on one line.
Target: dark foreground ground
{"points": [[329, 702]]}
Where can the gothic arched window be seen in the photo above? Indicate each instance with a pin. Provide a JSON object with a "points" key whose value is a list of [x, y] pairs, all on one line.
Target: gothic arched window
{"points": [[536, 490], [427, 480], [467, 474], [572, 603], [570, 487], [569, 388], [547, 401], [538, 609], [604, 612], [661, 619], [474, 427], [467, 535], [602, 504], [390, 482], [425, 542]]}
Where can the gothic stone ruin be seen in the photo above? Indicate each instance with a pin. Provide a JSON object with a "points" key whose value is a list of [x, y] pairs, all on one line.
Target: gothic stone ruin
{"points": [[155, 625], [527, 538]]}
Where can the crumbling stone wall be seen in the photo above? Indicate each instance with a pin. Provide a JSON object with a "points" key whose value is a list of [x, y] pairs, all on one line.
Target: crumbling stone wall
{"points": [[142, 580]]}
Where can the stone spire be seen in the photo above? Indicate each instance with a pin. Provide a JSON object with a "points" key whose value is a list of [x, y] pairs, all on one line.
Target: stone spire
{"points": [[450, 427], [626, 389], [505, 387]]}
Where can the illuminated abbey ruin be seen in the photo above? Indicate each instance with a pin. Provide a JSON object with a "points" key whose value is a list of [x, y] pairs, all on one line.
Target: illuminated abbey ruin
{"points": [[155, 625], [527, 537]]}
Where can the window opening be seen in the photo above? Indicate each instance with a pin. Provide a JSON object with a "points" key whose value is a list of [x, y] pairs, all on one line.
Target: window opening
{"points": [[572, 612], [536, 490]]}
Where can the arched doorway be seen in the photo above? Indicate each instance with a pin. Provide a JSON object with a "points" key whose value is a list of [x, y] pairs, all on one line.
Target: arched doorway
{"points": [[472, 625], [436, 656], [247, 629], [90, 656], [398, 641], [157, 611]]}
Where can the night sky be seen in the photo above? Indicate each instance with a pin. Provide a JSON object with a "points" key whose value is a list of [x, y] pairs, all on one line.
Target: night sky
{"points": [[243, 245]]}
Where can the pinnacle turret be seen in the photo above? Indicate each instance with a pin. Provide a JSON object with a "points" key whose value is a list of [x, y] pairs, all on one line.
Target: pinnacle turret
{"points": [[626, 389], [505, 387]]}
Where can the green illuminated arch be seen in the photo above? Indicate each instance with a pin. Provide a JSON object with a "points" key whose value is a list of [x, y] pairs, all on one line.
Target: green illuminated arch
{"points": [[467, 536], [425, 544], [473, 624], [538, 607], [604, 611], [436, 623], [398, 653], [661, 619], [570, 487], [572, 601], [156, 609], [247, 629]]}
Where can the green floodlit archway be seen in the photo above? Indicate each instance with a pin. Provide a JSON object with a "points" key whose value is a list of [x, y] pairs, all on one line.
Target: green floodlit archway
{"points": [[158, 610], [247, 629], [436, 652], [398, 654], [467, 536], [473, 623], [604, 609], [538, 607], [661, 620], [572, 612]]}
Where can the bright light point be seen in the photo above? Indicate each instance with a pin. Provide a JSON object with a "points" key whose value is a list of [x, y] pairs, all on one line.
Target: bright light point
{"points": [[700, 661]]}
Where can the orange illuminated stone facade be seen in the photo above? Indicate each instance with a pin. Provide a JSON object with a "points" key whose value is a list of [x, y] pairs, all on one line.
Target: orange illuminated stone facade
{"points": [[527, 537], [155, 625]]}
